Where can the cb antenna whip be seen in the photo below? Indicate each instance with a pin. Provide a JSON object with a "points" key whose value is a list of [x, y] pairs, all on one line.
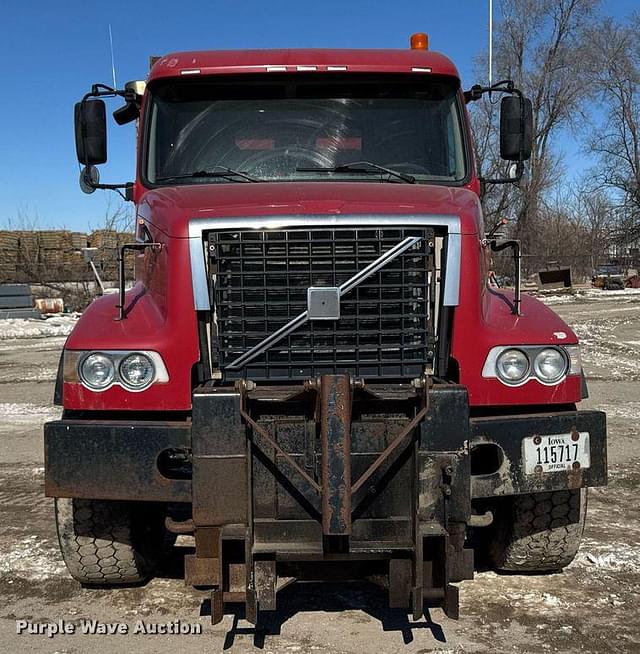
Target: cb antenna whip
{"points": [[113, 64]]}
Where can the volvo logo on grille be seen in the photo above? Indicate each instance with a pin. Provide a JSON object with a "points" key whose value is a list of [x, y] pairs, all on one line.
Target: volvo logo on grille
{"points": [[323, 303]]}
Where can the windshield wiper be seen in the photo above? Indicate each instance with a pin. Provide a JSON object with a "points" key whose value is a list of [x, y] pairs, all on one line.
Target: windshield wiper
{"points": [[360, 167], [217, 171]]}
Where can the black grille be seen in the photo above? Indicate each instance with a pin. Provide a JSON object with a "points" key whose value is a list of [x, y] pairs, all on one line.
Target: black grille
{"points": [[260, 281]]}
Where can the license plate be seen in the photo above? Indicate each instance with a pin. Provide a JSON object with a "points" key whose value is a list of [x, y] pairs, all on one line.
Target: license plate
{"points": [[556, 452]]}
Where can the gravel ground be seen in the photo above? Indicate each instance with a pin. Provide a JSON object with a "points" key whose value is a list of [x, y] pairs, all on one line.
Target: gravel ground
{"points": [[593, 606]]}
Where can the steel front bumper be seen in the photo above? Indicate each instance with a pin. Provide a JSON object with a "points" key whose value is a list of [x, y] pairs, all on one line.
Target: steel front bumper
{"points": [[114, 460], [123, 460], [508, 432]]}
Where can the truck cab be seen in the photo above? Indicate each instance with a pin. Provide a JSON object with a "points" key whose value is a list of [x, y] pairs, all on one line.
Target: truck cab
{"points": [[311, 374]]}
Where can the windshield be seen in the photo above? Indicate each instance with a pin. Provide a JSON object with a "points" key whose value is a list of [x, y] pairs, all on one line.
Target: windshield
{"points": [[295, 129]]}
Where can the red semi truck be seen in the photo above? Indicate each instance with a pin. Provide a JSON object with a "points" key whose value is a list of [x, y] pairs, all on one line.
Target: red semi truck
{"points": [[311, 374]]}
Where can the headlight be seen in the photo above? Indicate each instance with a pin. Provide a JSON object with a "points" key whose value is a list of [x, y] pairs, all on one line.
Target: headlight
{"points": [[100, 370], [549, 365], [137, 371], [97, 370], [512, 366]]}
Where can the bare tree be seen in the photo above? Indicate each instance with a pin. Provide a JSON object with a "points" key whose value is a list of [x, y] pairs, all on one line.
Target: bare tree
{"points": [[118, 216], [593, 212], [540, 46], [615, 75]]}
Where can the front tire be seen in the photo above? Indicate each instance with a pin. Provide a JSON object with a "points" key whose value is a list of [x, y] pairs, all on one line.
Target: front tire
{"points": [[107, 542], [540, 532]]}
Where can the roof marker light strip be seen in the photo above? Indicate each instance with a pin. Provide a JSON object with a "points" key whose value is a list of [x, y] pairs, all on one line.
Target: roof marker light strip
{"points": [[302, 69], [190, 71], [276, 69], [336, 68], [418, 69]]}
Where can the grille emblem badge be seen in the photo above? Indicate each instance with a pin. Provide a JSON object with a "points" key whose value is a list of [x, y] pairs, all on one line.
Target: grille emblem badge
{"points": [[323, 303]]}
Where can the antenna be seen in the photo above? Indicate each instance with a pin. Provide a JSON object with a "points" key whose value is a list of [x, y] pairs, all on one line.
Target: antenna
{"points": [[490, 42], [113, 65]]}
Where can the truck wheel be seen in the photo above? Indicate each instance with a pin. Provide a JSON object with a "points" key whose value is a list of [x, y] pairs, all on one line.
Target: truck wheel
{"points": [[540, 532], [106, 542]]}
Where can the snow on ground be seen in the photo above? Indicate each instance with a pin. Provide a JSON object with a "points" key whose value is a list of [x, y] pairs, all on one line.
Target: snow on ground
{"points": [[606, 353], [589, 294], [32, 558], [19, 412], [627, 410], [612, 555], [56, 325]]}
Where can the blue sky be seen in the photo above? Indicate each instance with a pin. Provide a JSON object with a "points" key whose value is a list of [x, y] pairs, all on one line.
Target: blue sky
{"points": [[53, 51]]}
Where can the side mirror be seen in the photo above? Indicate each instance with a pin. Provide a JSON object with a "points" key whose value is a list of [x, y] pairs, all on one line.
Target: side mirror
{"points": [[91, 132], [516, 128]]}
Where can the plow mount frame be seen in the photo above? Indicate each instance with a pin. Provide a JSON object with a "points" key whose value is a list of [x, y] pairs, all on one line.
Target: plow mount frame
{"points": [[414, 551]]}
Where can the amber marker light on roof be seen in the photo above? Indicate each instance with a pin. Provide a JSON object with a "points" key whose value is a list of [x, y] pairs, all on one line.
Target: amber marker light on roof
{"points": [[419, 41]]}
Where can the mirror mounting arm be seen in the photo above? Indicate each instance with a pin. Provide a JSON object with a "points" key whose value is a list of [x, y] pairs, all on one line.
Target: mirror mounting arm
{"points": [[474, 94], [103, 91], [127, 186], [504, 86], [506, 180]]}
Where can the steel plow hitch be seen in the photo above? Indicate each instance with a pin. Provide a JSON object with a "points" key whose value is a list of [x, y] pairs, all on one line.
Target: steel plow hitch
{"points": [[339, 498]]}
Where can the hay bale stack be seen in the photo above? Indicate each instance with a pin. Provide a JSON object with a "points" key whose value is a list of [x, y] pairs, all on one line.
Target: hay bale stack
{"points": [[53, 239], [78, 240], [106, 259], [29, 245], [103, 239], [28, 267], [53, 246], [130, 255], [9, 248], [9, 241], [56, 255], [78, 268]]}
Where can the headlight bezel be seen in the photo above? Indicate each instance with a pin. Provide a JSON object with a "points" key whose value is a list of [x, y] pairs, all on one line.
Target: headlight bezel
{"points": [[75, 360], [570, 354]]}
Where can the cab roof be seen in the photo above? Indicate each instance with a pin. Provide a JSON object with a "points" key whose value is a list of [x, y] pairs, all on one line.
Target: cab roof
{"points": [[218, 62]]}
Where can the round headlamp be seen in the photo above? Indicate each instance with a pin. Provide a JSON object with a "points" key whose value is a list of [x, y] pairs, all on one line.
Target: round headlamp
{"points": [[137, 371], [97, 371], [512, 366], [549, 365]]}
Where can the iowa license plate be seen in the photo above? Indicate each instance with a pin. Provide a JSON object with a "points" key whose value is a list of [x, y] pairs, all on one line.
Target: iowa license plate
{"points": [[556, 452]]}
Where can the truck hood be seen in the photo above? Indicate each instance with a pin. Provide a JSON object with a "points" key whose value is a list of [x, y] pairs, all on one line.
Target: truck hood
{"points": [[171, 208]]}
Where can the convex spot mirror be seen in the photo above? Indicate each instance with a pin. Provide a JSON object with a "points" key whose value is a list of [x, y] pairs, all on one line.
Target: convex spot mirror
{"points": [[516, 128], [89, 179], [91, 132]]}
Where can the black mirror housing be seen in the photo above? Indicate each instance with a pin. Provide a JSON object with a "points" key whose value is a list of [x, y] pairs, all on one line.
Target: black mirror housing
{"points": [[91, 132], [516, 128], [127, 113]]}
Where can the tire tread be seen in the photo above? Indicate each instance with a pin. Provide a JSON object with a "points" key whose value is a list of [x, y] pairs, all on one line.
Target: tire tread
{"points": [[100, 542], [545, 532]]}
